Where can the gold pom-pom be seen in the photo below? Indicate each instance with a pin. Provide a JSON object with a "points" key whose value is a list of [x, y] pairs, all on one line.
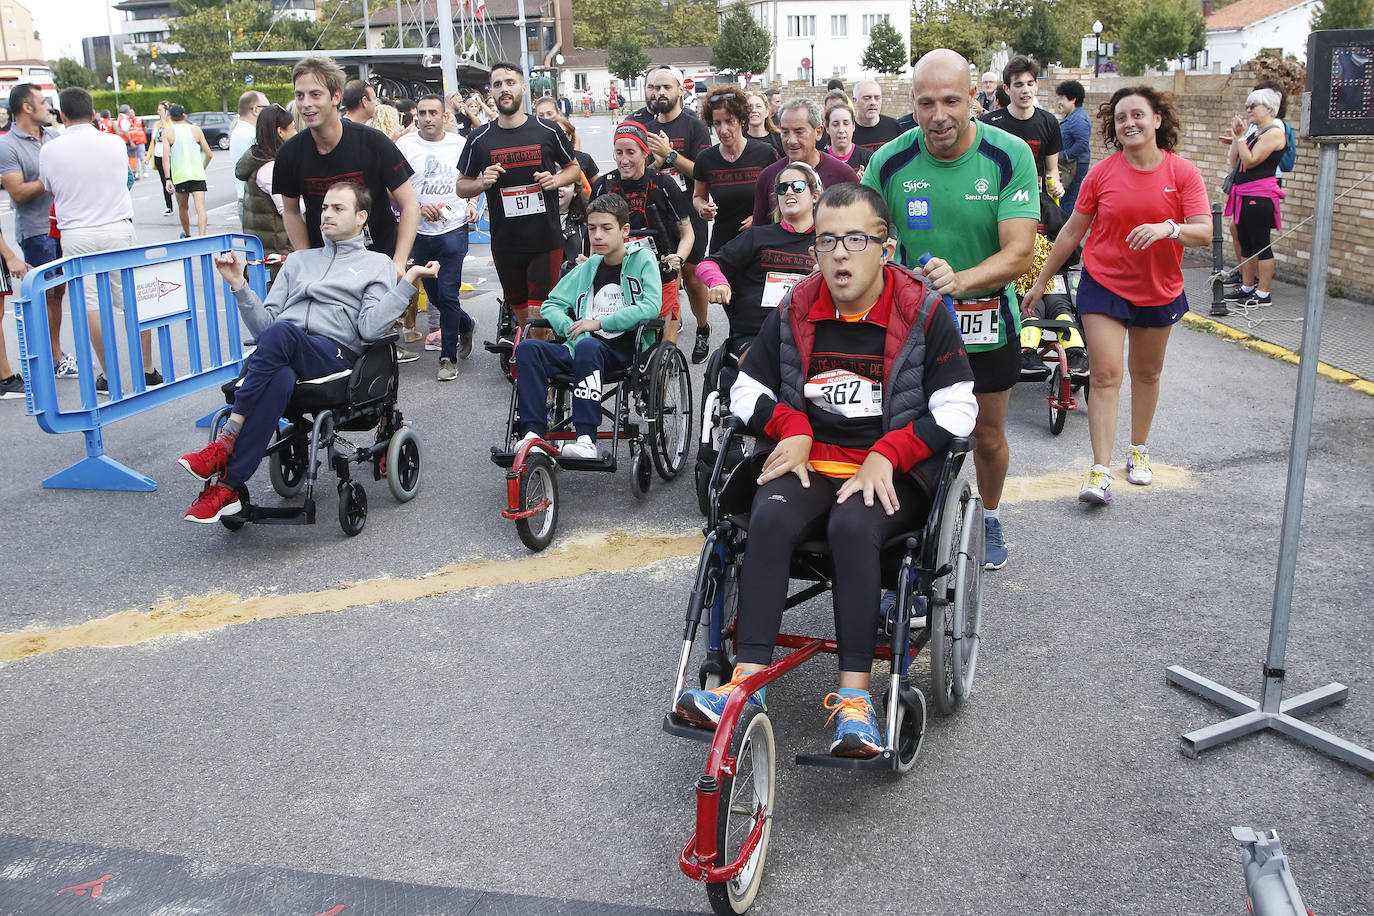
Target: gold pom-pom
{"points": [[1042, 254]]}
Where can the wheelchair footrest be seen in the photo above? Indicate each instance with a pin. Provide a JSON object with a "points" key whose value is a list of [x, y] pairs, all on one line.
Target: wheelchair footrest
{"points": [[606, 463], [499, 346], [278, 515], [674, 724], [884, 762]]}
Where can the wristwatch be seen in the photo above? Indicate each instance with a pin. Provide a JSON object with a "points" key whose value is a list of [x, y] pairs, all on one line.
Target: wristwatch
{"points": [[670, 158], [1175, 227]]}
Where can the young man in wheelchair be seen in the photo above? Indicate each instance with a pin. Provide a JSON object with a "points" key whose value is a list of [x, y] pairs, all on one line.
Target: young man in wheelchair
{"points": [[861, 379], [595, 309], [322, 309]]}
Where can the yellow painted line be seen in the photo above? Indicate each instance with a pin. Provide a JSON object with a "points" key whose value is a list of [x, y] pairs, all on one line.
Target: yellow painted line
{"points": [[1249, 341], [614, 552], [1066, 483]]}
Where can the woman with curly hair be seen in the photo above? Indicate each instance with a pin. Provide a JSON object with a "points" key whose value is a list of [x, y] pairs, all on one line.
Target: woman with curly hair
{"points": [[1144, 203], [727, 172], [386, 119]]}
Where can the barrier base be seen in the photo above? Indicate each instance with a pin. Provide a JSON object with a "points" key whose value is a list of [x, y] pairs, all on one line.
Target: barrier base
{"points": [[1249, 718], [100, 472]]}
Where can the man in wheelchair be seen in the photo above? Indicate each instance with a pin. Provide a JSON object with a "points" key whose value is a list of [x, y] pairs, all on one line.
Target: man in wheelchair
{"points": [[594, 309], [861, 379], [324, 306]]}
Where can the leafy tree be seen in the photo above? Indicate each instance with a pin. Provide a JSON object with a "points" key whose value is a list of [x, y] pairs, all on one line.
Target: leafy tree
{"points": [[743, 45], [664, 23], [960, 25], [886, 52], [1074, 19], [329, 31], [67, 72], [1038, 37], [625, 58], [1163, 30], [208, 31], [1343, 14]]}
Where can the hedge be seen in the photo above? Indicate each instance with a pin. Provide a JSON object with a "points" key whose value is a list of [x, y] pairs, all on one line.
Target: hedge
{"points": [[144, 101]]}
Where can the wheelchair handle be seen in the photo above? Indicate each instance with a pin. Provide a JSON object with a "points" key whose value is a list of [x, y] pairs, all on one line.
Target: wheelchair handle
{"points": [[949, 303]]}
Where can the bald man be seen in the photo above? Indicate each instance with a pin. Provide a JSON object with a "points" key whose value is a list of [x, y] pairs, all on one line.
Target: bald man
{"points": [[872, 128], [966, 193]]}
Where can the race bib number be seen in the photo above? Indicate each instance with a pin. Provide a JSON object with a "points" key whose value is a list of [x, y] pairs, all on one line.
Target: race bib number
{"points": [[681, 181], [1057, 286], [842, 392], [645, 242], [978, 320], [516, 202], [775, 286]]}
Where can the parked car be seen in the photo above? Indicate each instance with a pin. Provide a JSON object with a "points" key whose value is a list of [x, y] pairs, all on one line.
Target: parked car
{"points": [[216, 125]]}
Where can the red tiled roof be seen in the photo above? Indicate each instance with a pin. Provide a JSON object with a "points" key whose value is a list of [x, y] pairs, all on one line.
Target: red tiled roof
{"points": [[1247, 12]]}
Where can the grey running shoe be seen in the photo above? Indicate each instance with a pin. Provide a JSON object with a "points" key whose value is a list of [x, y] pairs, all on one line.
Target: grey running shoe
{"points": [[448, 371]]}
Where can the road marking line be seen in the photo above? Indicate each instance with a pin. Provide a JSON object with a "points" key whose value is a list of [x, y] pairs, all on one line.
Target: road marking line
{"points": [[1197, 322], [599, 553]]}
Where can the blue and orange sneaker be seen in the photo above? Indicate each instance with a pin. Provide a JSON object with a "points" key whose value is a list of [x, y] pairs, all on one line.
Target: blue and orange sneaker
{"points": [[703, 707], [857, 733]]}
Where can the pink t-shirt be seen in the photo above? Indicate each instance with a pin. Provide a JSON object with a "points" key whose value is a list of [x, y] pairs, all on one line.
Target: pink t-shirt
{"points": [[1121, 197]]}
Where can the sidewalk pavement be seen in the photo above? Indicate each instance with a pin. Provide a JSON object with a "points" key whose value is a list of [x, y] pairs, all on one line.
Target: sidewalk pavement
{"points": [[1347, 327]]}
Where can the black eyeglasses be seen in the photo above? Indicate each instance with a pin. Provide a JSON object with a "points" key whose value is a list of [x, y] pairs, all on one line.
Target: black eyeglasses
{"points": [[796, 185], [853, 241]]}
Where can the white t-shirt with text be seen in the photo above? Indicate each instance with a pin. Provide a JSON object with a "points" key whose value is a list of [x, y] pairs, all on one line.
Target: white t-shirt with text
{"points": [[436, 178]]}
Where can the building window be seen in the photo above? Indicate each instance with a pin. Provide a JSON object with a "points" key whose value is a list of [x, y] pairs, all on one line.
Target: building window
{"points": [[803, 74], [801, 26], [872, 19], [839, 26], [580, 82]]}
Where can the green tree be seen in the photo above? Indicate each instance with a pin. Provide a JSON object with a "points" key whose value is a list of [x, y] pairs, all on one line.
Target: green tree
{"points": [[886, 52], [1038, 37], [1343, 14], [743, 45], [626, 60], [1074, 20], [67, 72], [960, 25], [1163, 30], [663, 23], [208, 32]]}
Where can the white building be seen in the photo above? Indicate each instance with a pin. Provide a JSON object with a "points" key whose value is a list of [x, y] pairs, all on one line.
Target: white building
{"points": [[1249, 28], [824, 39]]}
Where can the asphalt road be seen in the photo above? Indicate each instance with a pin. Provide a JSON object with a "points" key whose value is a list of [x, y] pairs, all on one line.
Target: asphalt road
{"points": [[428, 703]]}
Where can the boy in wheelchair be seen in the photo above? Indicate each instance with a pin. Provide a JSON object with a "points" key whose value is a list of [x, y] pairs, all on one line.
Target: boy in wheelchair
{"points": [[324, 306], [861, 379], [595, 309]]}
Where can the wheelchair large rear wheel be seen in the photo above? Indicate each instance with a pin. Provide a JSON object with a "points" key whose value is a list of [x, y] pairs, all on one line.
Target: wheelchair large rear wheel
{"points": [[286, 466], [537, 486], [403, 464], [1058, 392], [670, 410], [968, 598], [745, 798], [944, 594]]}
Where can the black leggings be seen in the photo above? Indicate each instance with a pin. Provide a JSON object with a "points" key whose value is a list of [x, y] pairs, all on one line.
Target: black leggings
{"points": [[526, 276], [784, 514], [1253, 228], [162, 182]]}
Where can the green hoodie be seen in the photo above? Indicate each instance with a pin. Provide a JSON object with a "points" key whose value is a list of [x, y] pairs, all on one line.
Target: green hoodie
{"points": [[639, 281]]}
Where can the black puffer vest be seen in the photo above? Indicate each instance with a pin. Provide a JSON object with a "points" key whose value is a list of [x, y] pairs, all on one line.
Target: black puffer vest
{"points": [[904, 353], [260, 216]]}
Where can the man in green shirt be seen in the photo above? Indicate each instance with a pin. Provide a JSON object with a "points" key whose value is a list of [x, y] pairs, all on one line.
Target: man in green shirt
{"points": [[966, 193]]}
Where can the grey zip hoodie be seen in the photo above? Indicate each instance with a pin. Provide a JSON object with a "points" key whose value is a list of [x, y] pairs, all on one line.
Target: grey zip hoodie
{"points": [[341, 291]]}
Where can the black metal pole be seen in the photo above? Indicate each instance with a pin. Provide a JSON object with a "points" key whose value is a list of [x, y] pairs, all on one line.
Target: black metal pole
{"points": [[813, 63], [1219, 309]]}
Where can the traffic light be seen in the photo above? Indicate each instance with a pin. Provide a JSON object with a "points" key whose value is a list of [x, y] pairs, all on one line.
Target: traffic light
{"points": [[154, 51]]}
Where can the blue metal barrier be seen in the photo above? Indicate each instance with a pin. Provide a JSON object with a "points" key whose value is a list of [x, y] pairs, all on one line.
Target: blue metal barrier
{"points": [[163, 281], [481, 231]]}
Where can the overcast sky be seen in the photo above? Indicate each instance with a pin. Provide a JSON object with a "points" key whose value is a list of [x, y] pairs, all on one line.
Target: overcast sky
{"points": [[63, 23]]}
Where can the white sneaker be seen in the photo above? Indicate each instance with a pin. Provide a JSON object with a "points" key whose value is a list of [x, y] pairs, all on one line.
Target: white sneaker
{"points": [[1138, 467], [1097, 489], [527, 437], [584, 447]]}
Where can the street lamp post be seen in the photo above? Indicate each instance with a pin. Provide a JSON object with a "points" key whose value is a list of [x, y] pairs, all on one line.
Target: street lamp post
{"points": [[1097, 46], [812, 68]]}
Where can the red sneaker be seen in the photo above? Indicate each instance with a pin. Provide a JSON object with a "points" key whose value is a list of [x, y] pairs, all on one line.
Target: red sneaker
{"points": [[208, 462], [215, 500]]}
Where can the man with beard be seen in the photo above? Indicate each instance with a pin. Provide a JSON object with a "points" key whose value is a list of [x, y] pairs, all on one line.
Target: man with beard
{"points": [[334, 150], [872, 128], [964, 191], [676, 139], [801, 131], [519, 162]]}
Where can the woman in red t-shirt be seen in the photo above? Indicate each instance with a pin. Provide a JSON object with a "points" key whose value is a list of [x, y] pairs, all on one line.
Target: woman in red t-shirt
{"points": [[1143, 204]]}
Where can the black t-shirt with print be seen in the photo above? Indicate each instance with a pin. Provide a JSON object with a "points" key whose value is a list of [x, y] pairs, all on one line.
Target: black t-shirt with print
{"points": [[608, 296], [689, 136], [747, 263], [732, 186], [657, 205], [1040, 131], [872, 138], [535, 146], [363, 155]]}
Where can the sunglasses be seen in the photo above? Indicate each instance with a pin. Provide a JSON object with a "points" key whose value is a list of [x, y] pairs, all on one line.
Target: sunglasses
{"points": [[796, 185], [721, 96]]}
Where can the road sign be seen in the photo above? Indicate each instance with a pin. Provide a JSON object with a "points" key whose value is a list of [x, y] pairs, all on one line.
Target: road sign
{"points": [[688, 84], [806, 63], [248, 80]]}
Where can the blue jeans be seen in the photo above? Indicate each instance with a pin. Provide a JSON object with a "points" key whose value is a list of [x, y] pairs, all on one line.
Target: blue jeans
{"points": [[536, 360], [444, 290], [40, 249], [285, 353], [1071, 192]]}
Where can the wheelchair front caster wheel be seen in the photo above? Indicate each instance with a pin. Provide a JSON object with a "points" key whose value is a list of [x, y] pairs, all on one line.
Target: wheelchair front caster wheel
{"points": [[352, 507], [641, 474], [745, 797], [911, 726], [286, 466], [1058, 392], [403, 464], [538, 493]]}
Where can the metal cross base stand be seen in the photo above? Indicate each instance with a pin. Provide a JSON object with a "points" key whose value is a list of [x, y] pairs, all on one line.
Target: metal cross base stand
{"points": [[1272, 711]]}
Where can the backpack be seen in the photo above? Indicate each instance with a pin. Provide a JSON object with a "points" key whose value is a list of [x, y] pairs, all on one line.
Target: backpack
{"points": [[1290, 153]]}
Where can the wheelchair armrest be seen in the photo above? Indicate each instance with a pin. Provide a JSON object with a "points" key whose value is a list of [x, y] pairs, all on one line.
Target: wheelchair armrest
{"points": [[961, 445], [538, 323], [379, 341], [1047, 324]]}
